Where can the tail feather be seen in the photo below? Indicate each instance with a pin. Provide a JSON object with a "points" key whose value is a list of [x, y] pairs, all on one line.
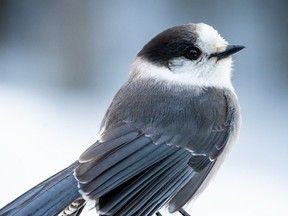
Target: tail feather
{"points": [[48, 198]]}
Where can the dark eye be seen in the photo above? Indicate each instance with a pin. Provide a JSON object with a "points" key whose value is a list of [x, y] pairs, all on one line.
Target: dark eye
{"points": [[192, 53]]}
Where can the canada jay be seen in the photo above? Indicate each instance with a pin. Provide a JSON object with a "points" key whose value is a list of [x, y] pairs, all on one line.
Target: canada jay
{"points": [[166, 131]]}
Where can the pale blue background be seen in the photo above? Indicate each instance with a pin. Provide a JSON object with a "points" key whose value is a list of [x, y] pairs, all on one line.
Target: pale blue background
{"points": [[61, 62]]}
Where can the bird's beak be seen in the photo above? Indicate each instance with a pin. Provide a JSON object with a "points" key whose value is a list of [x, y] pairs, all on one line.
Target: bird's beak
{"points": [[230, 50]]}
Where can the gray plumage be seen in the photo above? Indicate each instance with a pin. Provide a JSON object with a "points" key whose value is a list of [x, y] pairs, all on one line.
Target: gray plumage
{"points": [[164, 134], [191, 122]]}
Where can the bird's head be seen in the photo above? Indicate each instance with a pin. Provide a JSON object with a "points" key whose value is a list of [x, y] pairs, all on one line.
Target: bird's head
{"points": [[192, 54]]}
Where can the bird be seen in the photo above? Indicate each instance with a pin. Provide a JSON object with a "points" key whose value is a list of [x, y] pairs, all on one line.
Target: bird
{"points": [[163, 137]]}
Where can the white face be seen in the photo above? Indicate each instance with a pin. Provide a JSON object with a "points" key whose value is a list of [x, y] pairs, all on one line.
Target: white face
{"points": [[205, 71]]}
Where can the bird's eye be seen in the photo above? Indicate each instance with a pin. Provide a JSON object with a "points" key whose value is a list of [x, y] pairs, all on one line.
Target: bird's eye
{"points": [[192, 53]]}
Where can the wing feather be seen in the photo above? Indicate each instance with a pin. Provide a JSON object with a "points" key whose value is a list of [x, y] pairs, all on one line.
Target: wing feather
{"points": [[126, 169], [145, 178], [191, 187], [149, 156], [87, 171]]}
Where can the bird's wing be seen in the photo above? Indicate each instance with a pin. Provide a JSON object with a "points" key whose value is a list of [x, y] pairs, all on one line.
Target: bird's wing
{"points": [[145, 158], [127, 174]]}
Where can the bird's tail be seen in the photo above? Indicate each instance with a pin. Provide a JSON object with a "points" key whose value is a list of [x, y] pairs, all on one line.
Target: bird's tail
{"points": [[48, 198]]}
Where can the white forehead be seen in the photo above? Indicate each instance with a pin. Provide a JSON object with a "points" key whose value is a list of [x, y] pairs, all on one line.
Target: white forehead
{"points": [[209, 40]]}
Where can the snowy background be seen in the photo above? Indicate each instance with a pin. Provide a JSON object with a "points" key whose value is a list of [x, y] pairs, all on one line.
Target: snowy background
{"points": [[61, 62]]}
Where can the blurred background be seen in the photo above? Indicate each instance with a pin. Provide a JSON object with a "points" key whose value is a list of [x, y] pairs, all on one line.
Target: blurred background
{"points": [[61, 62]]}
